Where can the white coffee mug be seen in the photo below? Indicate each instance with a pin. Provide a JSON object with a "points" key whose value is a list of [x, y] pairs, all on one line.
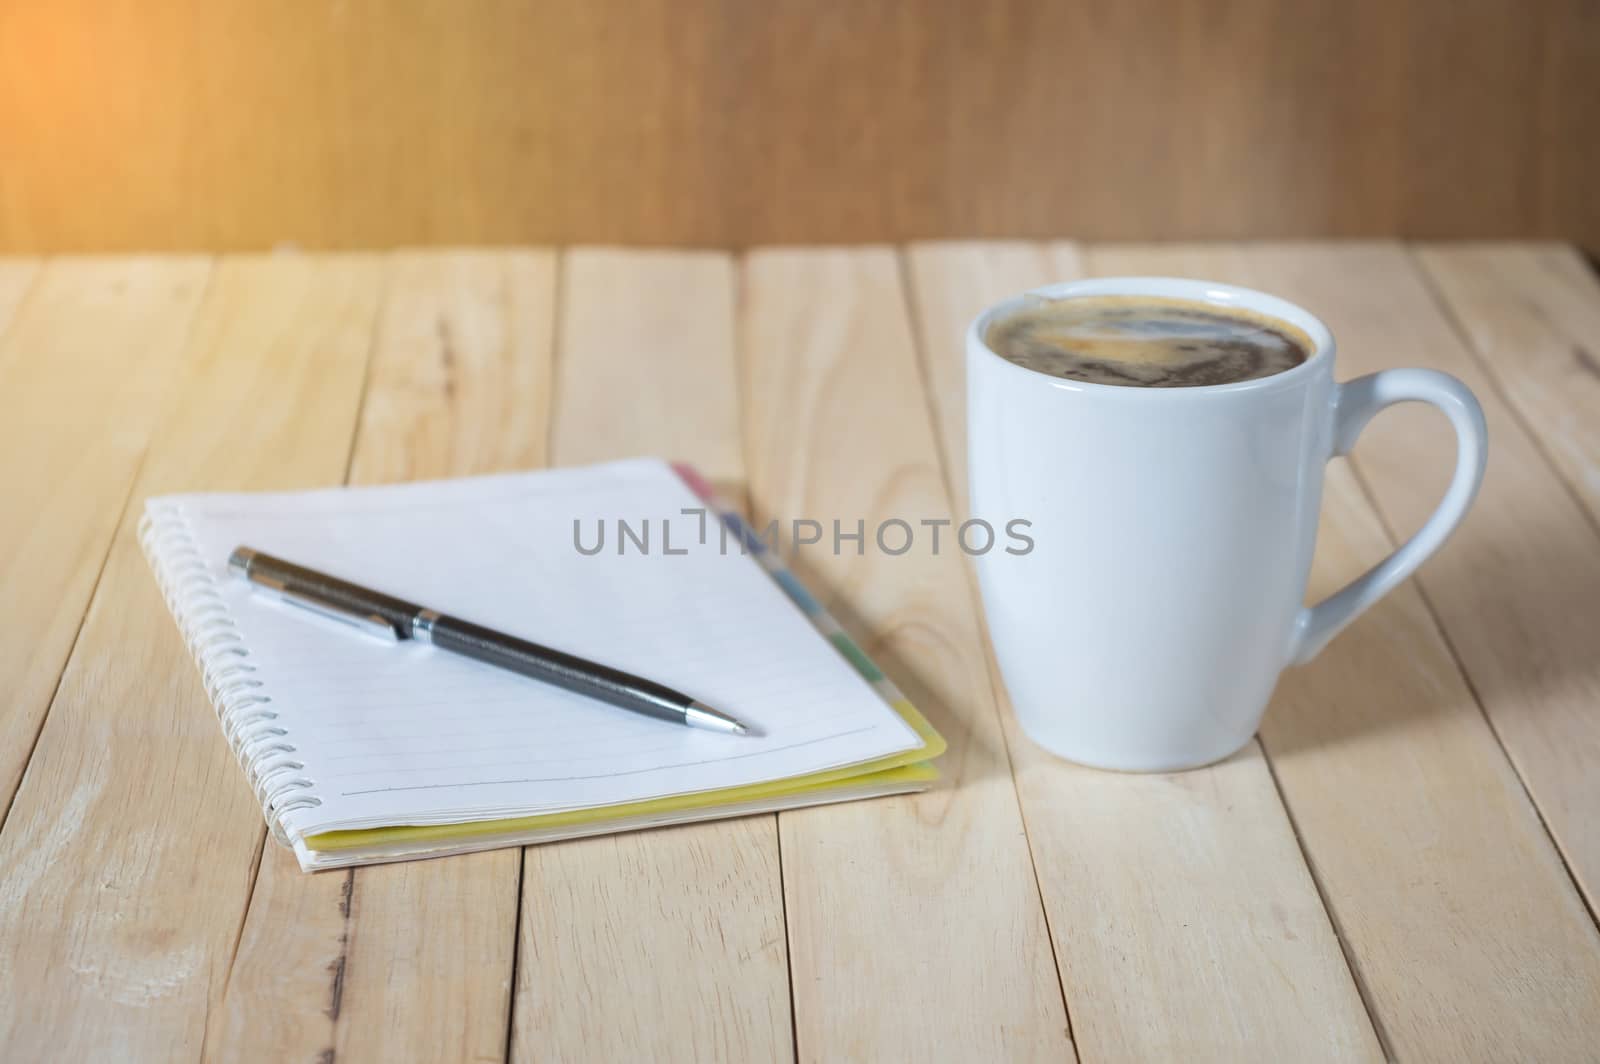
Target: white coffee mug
{"points": [[1173, 530]]}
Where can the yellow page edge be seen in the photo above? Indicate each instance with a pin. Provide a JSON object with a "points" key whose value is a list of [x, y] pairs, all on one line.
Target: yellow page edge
{"points": [[906, 766]]}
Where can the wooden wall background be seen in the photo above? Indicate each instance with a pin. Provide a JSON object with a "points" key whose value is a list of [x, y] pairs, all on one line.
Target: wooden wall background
{"points": [[227, 124]]}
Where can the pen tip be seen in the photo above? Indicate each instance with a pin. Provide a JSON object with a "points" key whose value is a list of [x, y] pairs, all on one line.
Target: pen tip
{"points": [[700, 715]]}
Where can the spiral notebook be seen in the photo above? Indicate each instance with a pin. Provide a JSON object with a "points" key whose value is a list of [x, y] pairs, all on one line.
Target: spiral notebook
{"points": [[362, 751]]}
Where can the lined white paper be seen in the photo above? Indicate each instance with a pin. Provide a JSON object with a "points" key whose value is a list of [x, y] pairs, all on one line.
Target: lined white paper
{"points": [[409, 734]]}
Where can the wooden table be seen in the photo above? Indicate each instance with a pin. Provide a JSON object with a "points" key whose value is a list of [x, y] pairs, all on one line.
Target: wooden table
{"points": [[1405, 864]]}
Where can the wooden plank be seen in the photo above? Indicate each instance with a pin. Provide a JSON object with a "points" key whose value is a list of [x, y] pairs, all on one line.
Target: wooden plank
{"points": [[16, 277], [1415, 824], [1531, 313], [409, 961], [1517, 591], [659, 351], [931, 895], [1241, 960], [675, 936], [461, 374], [1419, 832], [1519, 594], [131, 846], [83, 368]]}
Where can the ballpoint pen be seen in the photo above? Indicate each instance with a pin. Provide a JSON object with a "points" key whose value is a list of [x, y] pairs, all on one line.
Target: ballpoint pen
{"points": [[396, 619]]}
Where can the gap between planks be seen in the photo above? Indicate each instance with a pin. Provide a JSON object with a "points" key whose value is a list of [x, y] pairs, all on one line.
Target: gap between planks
{"points": [[1132, 971], [414, 959], [1390, 716], [88, 420], [645, 338], [1527, 317], [1535, 307], [781, 874], [955, 490], [122, 969], [940, 882]]}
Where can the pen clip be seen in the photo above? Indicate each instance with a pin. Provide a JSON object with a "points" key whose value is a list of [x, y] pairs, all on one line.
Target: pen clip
{"points": [[373, 624]]}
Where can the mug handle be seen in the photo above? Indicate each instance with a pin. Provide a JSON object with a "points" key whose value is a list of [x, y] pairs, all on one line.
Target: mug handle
{"points": [[1355, 403]]}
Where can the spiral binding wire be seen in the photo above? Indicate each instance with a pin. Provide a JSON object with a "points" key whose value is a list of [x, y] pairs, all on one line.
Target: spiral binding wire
{"points": [[249, 723]]}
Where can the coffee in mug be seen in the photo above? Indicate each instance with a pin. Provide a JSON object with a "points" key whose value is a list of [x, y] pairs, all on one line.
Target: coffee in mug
{"points": [[1146, 341]]}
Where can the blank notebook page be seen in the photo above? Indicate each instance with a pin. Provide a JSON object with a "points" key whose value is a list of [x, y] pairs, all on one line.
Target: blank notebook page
{"points": [[408, 734]]}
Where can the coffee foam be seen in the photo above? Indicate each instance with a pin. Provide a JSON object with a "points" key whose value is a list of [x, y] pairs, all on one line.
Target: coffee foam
{"points": [[1146, 341]]}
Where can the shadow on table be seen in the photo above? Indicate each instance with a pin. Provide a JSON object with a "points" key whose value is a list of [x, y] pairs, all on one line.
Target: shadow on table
{"points": [[1392, 670], [974, 752]]}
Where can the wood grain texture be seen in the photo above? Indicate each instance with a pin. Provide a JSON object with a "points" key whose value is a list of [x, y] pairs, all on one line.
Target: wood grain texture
{"points": [[1415, 823], [132, 843], [647, 362], [462, 367], [668, 944], [83, 370], [932, 895], [459, 385], [283, 990], [410, 961], [242, 124], [1516, 590], [1185, 920], [1420, 832], [1531, 313], [135, 925]]}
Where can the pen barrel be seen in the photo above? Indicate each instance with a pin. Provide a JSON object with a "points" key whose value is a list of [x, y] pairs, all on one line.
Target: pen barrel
{"points": [[272, 572], [564, 670]]}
